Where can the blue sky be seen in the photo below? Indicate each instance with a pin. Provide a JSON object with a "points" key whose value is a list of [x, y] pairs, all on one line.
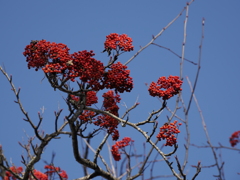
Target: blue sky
{"points": [[83, 25]]}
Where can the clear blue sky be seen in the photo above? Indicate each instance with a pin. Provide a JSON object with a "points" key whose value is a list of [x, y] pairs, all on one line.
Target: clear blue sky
{"points": [[83, 25]]}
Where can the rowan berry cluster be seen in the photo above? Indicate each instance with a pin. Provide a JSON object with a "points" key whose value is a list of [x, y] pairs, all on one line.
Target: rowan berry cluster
{"points": [[88, 69], [39, 175], [91, 98], [172, 85], [118, 42], [120, 145], [39, 54], [55, 59], [105, 121], [16, 170], [167, 132], [51, 171], [118, 78], [87, 116], [235, 138]]}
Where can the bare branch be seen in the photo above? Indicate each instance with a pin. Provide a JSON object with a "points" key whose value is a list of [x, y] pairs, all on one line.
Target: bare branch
{"points": [[199, 66], [206, 132], [173, 53], [20, 104], [153, 113], [198, 170], [159, 34]]}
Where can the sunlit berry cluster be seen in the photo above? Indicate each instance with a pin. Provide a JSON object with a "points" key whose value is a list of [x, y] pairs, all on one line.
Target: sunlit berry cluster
{"points": [[105, 121], [235, 138], [55, 59], [39, 54], [51, 171], [120, 145], [168, 131], [172, 86], [85, 67], [118, 42], [39, 175], [118, 78]]}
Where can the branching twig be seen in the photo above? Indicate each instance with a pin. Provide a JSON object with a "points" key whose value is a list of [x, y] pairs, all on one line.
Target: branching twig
{"points": [[198, 170], [159, 34], [151, 115], [199, 66], [97, 153], [206, 132], [217, 147], [173, 53], [20, 104], [180, 168], [57, 114]]}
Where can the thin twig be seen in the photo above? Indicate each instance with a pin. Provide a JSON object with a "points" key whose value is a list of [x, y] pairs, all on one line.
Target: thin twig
{"points": [[156, 36], [206, 132], [97, 153], [173, 53], [199, 66]]}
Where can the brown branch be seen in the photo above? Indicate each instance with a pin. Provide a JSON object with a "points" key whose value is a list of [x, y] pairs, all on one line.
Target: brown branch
{"points": [[20, 104], [97, 153], [57, 114], [78, 158], [180, 168], [198, 170], [141, 169], [151, 115]]}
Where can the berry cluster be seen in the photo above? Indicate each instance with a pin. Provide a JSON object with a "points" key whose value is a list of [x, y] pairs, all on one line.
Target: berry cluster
{"points": [[110, 102], [55, 59], [120, 145], [118, 42], [38, 54], [235, 138], [87, 116], [39, 175], [51, 171], [105, 121], [118, 78], [16, 170], [167, 132], [172, 86], [91, 98], [88, 69]]}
